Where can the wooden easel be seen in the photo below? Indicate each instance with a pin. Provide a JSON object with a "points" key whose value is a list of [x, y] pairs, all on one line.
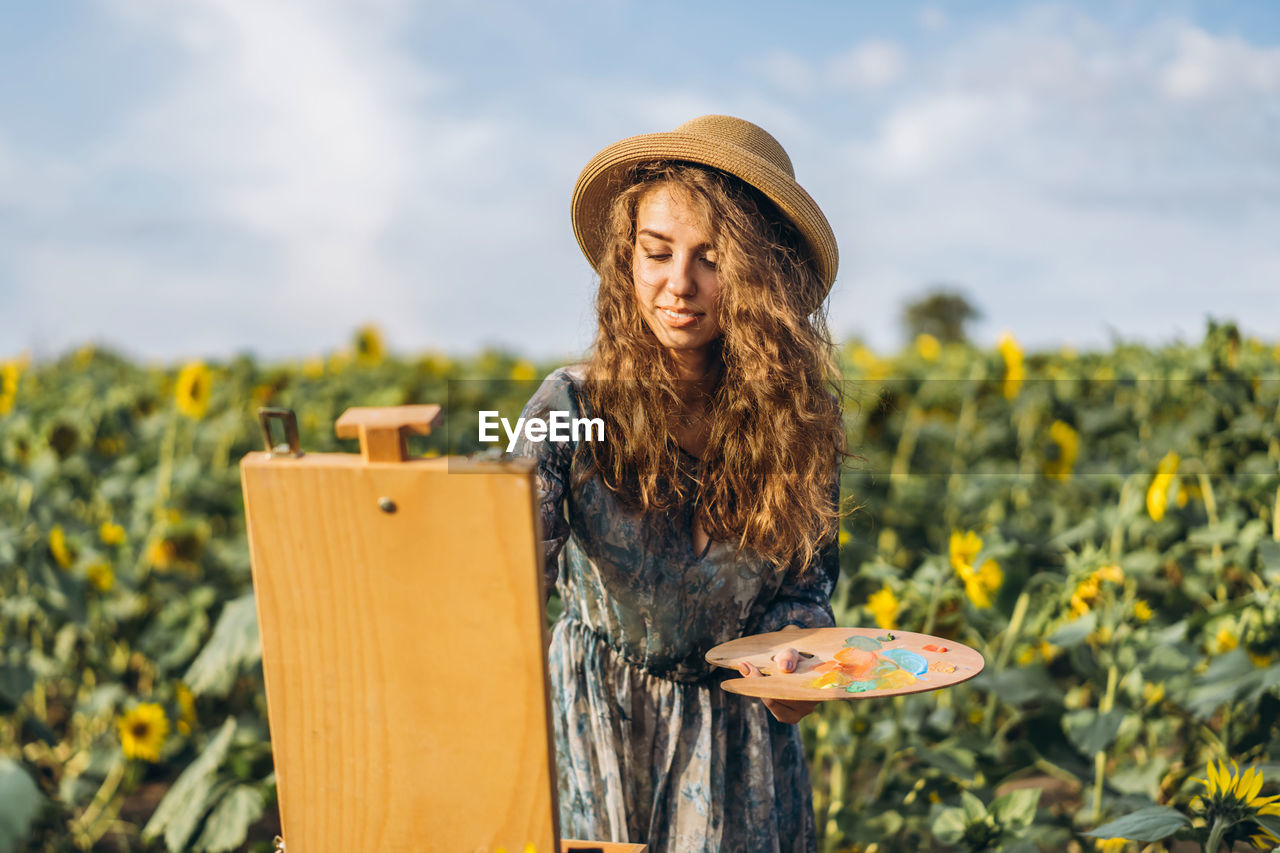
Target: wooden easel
{"points": [[400, 604]]}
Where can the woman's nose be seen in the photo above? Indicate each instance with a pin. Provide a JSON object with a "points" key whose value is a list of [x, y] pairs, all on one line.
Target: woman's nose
{"points": [[681, 281]]}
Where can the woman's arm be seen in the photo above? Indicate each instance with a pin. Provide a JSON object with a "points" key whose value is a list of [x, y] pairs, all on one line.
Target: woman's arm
{"points": [[553, 472]]}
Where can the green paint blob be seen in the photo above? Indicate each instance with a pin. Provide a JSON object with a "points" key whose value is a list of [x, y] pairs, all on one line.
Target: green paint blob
{"points": [[860, 687], [867, 644]]}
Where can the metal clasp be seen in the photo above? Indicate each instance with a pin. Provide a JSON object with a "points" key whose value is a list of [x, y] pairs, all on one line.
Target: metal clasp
{"points": [[290, 422]]}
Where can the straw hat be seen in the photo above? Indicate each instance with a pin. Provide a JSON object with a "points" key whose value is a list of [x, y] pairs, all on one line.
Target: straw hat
{"points": [[729, 144]]}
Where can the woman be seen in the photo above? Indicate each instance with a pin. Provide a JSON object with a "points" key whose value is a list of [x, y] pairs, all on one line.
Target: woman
{"points": [[710, 509]]}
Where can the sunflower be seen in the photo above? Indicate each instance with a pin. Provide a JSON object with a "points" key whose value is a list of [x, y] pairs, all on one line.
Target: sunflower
{"points": [[1231, 804], [111, 533], [142, 731], [964, 547], [186, 708], [979, 585], [1014, 372], [1110, 845], [101, 576], [9, 373], [1141, 610], [1158, 492], [1067, 441], [369, 346], [192, 391], [981, 582], [58, 547], [883, 605], [928, 346], [523, 371]]}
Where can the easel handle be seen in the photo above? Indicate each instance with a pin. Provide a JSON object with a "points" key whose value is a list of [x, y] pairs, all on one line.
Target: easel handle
{"points": [[383, 431]]}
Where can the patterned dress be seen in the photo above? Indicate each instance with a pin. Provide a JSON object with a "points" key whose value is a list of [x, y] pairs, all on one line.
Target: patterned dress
{"points": [[650, 749]]}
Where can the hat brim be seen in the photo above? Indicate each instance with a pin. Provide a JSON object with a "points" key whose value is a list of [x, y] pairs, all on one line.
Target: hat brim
{"points": [[601, 181]]}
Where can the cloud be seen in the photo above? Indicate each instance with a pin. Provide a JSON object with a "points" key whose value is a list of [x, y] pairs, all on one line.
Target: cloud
{"points": [[869, 65], [301, 166], [1204, 66], [1073, 180]]}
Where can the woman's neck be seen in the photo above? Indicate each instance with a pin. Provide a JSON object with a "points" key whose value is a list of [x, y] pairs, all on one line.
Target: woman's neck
{"points": [[698, 370]]}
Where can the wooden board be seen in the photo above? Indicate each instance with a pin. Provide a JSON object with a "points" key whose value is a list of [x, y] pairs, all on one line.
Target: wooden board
{"points": [[403, 653], [601, 847], [822, 644]]}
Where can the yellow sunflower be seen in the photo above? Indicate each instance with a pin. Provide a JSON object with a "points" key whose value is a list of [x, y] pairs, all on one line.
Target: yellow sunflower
{"points": [[186, 708], [142, 731], [58, 547], [1014, 372], [1067, 440], [101, 576], [369, 346], [1232, 800], [883, 605], [1141, 610], [9, 373], [964, 548], [1158, 491], [111, 534], [928, 346], [192, 390]]}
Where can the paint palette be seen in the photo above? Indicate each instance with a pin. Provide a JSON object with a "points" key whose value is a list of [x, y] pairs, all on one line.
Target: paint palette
{"points": [[846, 663]]}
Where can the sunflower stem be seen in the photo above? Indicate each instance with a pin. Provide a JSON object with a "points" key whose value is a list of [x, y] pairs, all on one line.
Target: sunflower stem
{"points": [[107, 790], [1002, 657], [1100, 757], [1215, 836]]}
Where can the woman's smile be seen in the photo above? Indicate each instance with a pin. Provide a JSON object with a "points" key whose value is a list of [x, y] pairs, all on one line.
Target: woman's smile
{"points": [[676, 283]]}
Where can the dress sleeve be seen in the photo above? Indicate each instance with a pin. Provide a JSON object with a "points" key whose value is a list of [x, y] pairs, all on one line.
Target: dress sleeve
{"points": [[804, 597], [554, 459]]}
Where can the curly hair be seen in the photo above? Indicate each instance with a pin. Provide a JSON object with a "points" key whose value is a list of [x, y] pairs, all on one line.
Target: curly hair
{"points": [[776, 431]]}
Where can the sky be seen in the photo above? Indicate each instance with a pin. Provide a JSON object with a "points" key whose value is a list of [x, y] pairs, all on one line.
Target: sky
{"points": [[211, 177]]}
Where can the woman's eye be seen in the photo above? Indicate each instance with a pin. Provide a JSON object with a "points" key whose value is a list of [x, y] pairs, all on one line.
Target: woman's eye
{"points": [[709, 262], [657, 256]]}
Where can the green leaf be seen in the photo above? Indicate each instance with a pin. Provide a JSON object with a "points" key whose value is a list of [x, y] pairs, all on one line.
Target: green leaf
{"points": [[229, 822], [1074, 632], [1091, 732], [1150, 824], [1023, 685], [20, 802], [235, 643], [15, 681], [1270, 823], [973, 808], [186, 802], [1269, 554], [948, 826], [1016, 809]]}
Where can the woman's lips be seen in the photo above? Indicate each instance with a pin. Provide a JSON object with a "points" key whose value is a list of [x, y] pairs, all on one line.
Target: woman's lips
{"points": [[679, 319]]}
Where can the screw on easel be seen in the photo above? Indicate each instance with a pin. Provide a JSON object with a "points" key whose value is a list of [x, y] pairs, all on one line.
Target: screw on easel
{"points": [[386, 505]]}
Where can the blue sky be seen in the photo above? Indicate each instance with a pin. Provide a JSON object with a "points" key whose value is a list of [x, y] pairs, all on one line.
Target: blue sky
{"points": [[214, 176]]}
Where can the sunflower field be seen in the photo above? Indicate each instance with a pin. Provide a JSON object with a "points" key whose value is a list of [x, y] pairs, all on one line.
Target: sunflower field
{"points": [[1104, 527]]}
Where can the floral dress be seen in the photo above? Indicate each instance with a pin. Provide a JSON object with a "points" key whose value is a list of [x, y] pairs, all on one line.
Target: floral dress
{"points": [[650, 749]]}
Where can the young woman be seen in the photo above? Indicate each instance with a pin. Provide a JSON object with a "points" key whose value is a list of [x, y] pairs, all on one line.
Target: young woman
{"points": [[710, 510]]}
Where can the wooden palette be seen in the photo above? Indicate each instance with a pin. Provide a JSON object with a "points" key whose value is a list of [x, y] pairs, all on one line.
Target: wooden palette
{"points": [[945, 663]]}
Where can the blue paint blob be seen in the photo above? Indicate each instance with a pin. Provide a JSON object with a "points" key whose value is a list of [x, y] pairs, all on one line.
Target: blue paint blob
{"points": [[908, 660]]}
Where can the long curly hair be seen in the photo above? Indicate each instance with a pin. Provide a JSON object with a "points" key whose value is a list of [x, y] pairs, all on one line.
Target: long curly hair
{"points": [[765, 478]]}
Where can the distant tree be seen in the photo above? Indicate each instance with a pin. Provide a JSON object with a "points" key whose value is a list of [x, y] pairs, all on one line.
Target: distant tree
{"points": [[943, 313]]}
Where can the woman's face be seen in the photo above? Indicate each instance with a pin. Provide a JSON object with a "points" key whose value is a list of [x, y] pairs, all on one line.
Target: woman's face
{"points": [[674, 268]]}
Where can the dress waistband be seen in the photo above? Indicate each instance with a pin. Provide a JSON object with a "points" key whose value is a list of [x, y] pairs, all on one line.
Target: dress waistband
{"points": [[682, 672]]}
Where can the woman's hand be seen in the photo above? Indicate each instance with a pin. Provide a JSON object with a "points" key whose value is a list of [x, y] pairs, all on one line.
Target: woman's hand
{"points": [[788, 711]]}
